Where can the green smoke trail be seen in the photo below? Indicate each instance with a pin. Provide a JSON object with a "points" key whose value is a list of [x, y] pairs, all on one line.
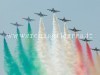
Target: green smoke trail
{"points": [[23, 60], [32, 52], [10, 64]]}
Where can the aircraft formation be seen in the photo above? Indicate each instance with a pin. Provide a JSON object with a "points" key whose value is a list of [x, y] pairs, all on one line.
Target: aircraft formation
{"points": [[43, 15]]}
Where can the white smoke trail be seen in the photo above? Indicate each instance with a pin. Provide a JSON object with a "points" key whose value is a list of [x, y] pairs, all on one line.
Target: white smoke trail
{"points": [[43, 49], [57, 49], [69, 52]]}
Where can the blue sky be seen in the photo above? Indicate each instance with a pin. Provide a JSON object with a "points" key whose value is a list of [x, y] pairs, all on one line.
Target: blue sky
{"points": [[83, 13]]}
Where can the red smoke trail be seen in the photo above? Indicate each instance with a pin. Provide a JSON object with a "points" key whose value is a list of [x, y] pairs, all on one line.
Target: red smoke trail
{"points": [[89, 54], [79, 47], [80, 67]]}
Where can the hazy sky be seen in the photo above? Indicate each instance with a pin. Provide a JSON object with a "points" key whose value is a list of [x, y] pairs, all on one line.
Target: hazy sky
{"points": [[85, 15]]}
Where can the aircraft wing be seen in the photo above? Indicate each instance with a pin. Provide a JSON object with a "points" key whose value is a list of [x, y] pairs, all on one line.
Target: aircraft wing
{"points": [[78, 30], [49, 9], [20, 25], [44, 15], [36, 13], [98, 49], [12, 23], [82, 39], [93, 49], [89, 40], [32, 19], [57, 11], [71, 29], [68, 20], [1, 34], [24, 18], [60, 19]]}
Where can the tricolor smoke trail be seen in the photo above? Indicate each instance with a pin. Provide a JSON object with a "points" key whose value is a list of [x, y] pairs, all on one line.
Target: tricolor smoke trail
{"points": [[23, 60], [57, 49], [80, 68], [11, 66], [32, 51], [43, 49], [70, 57]]}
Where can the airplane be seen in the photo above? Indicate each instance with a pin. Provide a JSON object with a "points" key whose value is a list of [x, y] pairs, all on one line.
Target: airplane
{"points": [[40, 14], [28, 19], [3, 34], [75, 30], [64, 19], [53, 10], [16, 24], [96, 49], [86, 40]]}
